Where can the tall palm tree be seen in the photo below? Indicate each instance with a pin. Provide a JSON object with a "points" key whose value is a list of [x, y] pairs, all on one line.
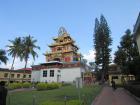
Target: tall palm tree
{"points": [[15, 49], [3, 57], [28, 48]]}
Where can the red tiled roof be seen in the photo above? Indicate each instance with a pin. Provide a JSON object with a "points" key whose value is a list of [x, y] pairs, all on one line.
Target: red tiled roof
{"points": [[25, 69]]}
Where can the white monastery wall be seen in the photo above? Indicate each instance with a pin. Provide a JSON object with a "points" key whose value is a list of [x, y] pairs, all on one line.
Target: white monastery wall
{"points": [[63, 74], [138, 42], [35, 76], [70, 74]]}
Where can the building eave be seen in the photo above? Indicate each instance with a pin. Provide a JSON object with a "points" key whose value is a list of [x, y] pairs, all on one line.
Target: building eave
{"points": [[56, 64], [136, 26]]}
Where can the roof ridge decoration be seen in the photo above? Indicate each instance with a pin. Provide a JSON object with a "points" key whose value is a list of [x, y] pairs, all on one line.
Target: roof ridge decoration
{"points": [[62, 31]]}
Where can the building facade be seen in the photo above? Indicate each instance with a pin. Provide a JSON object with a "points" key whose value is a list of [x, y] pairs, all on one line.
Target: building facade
{"points": [[115, 74], [55, 71], [62, 62], [137, 32], [15, 75]]}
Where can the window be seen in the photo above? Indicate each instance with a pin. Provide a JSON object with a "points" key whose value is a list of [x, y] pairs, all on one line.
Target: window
{"points": [[51, 73], [5, 75], [61, 41], [44, 73], [12, 75], [59, 49], [67, 59], [24, 76], [18, 75], [29, 76], [114, 77]]}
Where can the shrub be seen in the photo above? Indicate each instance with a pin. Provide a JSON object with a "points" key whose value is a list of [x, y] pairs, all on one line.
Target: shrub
{"points": [[26, 85], [48, 86], [134, 89], [12, 86], [41, 86], [53, 85]]}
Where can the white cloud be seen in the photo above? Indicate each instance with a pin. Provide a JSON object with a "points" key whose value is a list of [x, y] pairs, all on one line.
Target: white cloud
{"points": [[17, 65], [90, 56]]}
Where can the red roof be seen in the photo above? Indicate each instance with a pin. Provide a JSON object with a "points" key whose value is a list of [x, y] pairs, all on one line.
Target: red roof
{"points": [[25, 69]]}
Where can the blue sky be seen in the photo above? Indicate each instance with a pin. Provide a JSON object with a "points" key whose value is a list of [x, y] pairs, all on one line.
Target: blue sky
{"points": [[42, 19]]}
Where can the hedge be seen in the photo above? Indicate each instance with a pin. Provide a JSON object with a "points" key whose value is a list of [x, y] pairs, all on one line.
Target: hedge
{"points": [[12, 86], [134, 89], [41, 86], [26, 85], [48, 86], [53, 85]]}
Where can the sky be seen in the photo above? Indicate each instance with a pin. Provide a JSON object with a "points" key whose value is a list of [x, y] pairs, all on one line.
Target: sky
{"points": [[43, 18]]}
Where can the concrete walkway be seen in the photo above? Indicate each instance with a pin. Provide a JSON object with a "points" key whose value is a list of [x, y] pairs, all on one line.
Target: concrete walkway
{"points": [[21, 89], [117, 97]]}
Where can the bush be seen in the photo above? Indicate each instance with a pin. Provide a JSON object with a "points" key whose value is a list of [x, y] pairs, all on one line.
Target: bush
{"points": [[133, 82], [48, 86], [53, 85], [134, 89], [26, 85], [41, 86], [12, 86]]}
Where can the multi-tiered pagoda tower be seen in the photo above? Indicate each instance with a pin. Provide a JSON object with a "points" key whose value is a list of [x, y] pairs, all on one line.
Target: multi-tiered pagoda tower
{"points": [[63, 49]]}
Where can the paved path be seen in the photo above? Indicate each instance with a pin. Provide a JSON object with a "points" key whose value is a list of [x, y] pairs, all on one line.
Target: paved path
{"points": [[22, 89], [117, 97]]}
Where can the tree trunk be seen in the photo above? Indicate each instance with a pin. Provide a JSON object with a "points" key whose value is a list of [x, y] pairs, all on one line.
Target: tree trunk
{"points": [[102, 76], [10, 70], [13, 62], [25, 68], [26, 63]]}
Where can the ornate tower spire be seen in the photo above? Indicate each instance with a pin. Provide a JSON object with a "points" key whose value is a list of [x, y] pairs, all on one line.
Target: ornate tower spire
{"points": [[62, 31]]}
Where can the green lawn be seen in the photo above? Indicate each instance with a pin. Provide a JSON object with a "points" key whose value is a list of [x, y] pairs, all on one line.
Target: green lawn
{"points": [[57, 95]]}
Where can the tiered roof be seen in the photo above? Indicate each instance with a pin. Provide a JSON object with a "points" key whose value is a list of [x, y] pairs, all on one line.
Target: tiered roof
{"points": [[63, 48]]}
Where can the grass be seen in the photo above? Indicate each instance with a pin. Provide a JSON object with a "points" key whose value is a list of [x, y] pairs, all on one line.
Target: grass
{"points": [[57, 95]]}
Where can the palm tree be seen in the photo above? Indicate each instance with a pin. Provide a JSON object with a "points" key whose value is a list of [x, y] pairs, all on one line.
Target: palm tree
{"points": [[3, 57], [28, 48], [15, 49]]}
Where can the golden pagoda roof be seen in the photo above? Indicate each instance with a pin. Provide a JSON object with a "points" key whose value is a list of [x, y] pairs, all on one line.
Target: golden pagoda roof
{"points": [[62, 43]]}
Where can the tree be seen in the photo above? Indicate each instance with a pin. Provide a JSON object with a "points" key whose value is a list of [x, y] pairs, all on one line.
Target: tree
{"points": [[92, 64], [127, 44], [127, 53], [28, 48], [3, 57], [120, 57], [102, 42], [14, 49]]}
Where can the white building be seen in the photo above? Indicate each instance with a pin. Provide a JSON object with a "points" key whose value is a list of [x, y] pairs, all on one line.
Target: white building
{"points": [[63, 49], [55, 71], [137, 32]]}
